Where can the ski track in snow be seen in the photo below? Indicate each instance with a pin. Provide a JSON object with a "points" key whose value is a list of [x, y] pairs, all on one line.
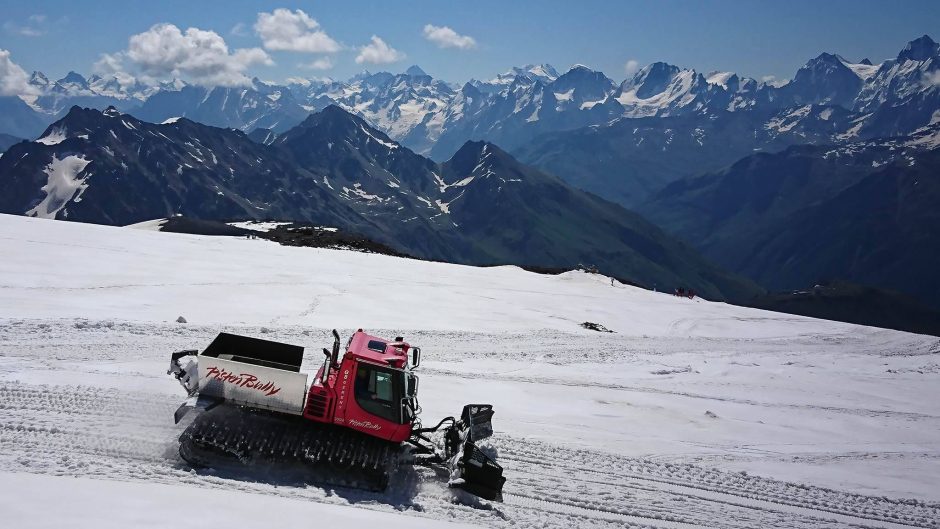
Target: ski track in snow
{"points": [[90, 398], [94, 432]]}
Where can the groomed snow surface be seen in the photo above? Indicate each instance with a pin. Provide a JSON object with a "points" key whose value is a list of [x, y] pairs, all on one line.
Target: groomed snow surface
{"points": [[693, 414]]}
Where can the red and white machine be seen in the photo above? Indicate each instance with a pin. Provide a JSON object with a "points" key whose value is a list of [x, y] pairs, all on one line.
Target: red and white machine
{"points": [[351, 424]]}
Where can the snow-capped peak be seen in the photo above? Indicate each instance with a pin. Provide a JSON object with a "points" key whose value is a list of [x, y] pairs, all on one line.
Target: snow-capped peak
{"points": [[545, 73], [820, 68], [653, 77], [299, 81], [365, 74], [719, 78], [919, 49], [415, 71], [913, 71], [39, 79], [174, 85], [74, 78], [579, 66], [863, 69]]}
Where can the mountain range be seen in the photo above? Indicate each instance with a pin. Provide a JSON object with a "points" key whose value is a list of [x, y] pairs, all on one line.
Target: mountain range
{"points": [[480, 207], [434, 117], [622, 141], [829, 101], [827, 176]]}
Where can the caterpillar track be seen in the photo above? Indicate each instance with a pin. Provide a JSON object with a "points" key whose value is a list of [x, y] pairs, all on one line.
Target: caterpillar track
{"points": [[230, 435]]}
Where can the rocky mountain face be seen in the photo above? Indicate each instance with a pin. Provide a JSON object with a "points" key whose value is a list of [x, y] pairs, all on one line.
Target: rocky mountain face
{"points": [[506, 208], [629, 159], [484, 207], [863, 212], [377, 177], [480, 207], [826, 79], [111, 168]]}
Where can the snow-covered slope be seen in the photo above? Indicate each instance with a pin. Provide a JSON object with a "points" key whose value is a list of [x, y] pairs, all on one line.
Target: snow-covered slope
{"points": [[692, 414], [80, 503], [203, 278]]}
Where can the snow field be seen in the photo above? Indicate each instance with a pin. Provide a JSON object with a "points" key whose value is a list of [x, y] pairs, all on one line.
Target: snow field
{"points": [[72, 270], [693, 414], [79, 503], [90, 399]]}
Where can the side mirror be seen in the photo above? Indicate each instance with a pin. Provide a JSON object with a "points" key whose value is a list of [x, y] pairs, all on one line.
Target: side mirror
{"points": [[415, 357]]}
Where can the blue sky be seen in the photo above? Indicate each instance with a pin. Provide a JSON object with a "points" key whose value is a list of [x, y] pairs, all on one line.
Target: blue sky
{"points": [[757, 39]]}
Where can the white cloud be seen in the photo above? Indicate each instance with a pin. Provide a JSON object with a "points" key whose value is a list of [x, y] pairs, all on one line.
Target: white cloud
{"points": [[446, 37], [35, 26], [378, 52], [109, 63], [27, 31], [631, 67], [112, 64], [773, 81], [239, 30], [202, 56], [323, 63], [13, 79], [286, 30]]}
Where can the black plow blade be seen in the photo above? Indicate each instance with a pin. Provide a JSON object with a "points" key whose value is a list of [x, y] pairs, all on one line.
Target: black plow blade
{"points": [[480, 475], [476, 472], [478, 419]]}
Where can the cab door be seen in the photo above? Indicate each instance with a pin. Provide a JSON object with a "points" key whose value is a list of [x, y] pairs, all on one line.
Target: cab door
{"points": [[373, 404]]}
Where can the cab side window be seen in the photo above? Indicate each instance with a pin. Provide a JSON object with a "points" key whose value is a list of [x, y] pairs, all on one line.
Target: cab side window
{"points": [[383, 387], [376, 392]]}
